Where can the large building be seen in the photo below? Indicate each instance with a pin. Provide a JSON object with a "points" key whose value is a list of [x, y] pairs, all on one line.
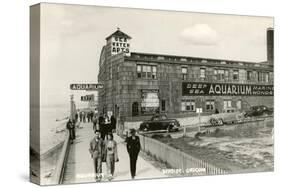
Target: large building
{"points": [[138, 84]]}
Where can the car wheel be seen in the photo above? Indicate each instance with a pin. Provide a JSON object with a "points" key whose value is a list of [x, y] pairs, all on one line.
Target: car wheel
{"points": [[169, 128]]}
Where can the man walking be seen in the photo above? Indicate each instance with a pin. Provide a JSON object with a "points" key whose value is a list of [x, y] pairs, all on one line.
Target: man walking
{"points": [[133, 148], [102, 127], [112, 123], [81, 116], [96, 148], [95, 121]]}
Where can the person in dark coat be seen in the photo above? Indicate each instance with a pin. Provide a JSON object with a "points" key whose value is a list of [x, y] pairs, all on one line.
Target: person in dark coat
{"points": [[133, 148], [71, 128], [102, 127], [76, 117], [113, 124], [81, 116]]}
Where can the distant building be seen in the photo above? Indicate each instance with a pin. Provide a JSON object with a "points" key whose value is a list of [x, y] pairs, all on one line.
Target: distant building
{"points": [[137, 84]]}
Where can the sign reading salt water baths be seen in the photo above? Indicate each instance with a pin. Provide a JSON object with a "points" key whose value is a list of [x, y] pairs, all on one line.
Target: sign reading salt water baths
{"points": [[197, 88], [119, 45], [90, 87]]}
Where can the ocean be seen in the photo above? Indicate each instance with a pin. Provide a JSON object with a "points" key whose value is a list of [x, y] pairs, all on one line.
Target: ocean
{"points": [[52, 126]]}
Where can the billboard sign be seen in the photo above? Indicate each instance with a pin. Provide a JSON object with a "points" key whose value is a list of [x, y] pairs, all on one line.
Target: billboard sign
{"points": [[222, 89], [86, 86], [88, 98]]}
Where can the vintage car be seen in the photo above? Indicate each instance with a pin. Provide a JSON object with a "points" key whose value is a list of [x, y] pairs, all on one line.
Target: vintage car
{"points": [[259, 111], [160, 122]]}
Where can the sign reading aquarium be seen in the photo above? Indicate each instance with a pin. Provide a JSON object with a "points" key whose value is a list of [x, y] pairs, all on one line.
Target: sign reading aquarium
{"points": [[197, 88]]}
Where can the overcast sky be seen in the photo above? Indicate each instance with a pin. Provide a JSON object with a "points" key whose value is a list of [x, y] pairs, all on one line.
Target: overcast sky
{"points": [[72, 38]]}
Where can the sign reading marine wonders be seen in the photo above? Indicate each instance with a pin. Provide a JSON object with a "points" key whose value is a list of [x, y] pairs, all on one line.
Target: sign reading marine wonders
{"points": [[198, 88]]}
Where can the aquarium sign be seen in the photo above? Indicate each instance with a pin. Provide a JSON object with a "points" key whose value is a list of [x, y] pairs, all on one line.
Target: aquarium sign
{"points": [[221, 89], [86, 86]]}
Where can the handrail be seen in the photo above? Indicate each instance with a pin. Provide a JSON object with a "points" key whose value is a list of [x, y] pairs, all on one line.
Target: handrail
{"points": [[61, 163]]}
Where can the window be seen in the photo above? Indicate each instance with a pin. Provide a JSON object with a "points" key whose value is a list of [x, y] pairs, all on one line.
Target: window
{"points": [[184, 73], [227, 104], [154, 71], [263, 77], [249, 75], [146, 71], [215, 74], [188, 105], [202, 73], [220, 75], [210, 105], [238, 104], [139, 71], [235, 75], [226, 74]]}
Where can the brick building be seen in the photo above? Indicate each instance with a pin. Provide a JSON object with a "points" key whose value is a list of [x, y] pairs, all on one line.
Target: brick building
{"points": [[137, 84]]}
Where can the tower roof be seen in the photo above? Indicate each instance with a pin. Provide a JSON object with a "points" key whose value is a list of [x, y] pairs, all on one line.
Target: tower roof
{"points": [[118, 33]]}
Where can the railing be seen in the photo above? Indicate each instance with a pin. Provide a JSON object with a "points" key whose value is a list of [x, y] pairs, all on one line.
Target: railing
{"points": [[61, 163], [176, 158]]}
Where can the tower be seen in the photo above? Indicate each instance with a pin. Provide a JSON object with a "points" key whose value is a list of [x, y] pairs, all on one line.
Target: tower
{"points": [[270, 45], [119, 42]]}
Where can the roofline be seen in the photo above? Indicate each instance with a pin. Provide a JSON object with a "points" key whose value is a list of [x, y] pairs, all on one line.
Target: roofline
{"points": [[193, 57]]}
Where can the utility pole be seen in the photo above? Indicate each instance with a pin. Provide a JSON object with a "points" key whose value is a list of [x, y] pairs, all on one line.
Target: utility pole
{"points": [[71, 107]]}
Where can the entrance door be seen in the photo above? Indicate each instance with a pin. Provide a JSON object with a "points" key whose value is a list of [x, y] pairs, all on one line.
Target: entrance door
{"points": [[135, 109]]}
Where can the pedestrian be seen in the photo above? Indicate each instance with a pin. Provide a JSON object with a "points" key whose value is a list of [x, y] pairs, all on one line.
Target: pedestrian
{"points": [[96, 149], [71, 128], [102, 127], [84, 117], [95, 121], [76, 117], [133, 148], [113, 124], [89, 116], [217, 111], [80, 116], [111, 155]]}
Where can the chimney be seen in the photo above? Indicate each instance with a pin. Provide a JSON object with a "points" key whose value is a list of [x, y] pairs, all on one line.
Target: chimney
{"points": [[270, 45]]}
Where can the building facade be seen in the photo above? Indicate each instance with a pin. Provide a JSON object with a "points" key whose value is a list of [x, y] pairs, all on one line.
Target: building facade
{"points": [[138, 84]]}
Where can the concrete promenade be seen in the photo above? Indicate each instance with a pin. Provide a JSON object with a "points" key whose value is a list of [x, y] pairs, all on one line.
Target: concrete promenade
{"points": [[79, 167]]}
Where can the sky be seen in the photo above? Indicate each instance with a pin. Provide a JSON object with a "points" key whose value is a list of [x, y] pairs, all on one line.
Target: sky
{"points": [[72, 37]]}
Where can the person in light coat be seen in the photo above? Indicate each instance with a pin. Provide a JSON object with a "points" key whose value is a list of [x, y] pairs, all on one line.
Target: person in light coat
{"points": [[111, 155]]}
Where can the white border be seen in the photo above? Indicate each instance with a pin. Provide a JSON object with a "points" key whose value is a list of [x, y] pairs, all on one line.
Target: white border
{"points": [[14, 58]]}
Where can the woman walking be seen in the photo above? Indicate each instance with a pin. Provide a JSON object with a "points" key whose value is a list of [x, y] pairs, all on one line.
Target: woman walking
{"points": [[111, 155]]}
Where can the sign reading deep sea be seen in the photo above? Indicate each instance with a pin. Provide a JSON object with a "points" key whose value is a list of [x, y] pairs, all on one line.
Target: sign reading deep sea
{"points": [[197, 88], [86, 86], [120, 44]]}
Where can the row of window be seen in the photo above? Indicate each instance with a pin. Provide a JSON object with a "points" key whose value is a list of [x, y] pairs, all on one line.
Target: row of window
{"points": [[150, 72], [223, 75], [146, 71], [189, 105]]}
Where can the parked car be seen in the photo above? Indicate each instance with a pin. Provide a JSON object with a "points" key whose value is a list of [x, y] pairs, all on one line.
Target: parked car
{"points": [[259, 111], [160, 122]]}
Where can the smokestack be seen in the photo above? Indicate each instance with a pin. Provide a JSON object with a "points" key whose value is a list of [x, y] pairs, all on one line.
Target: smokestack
{"points": [[270, 45]]}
